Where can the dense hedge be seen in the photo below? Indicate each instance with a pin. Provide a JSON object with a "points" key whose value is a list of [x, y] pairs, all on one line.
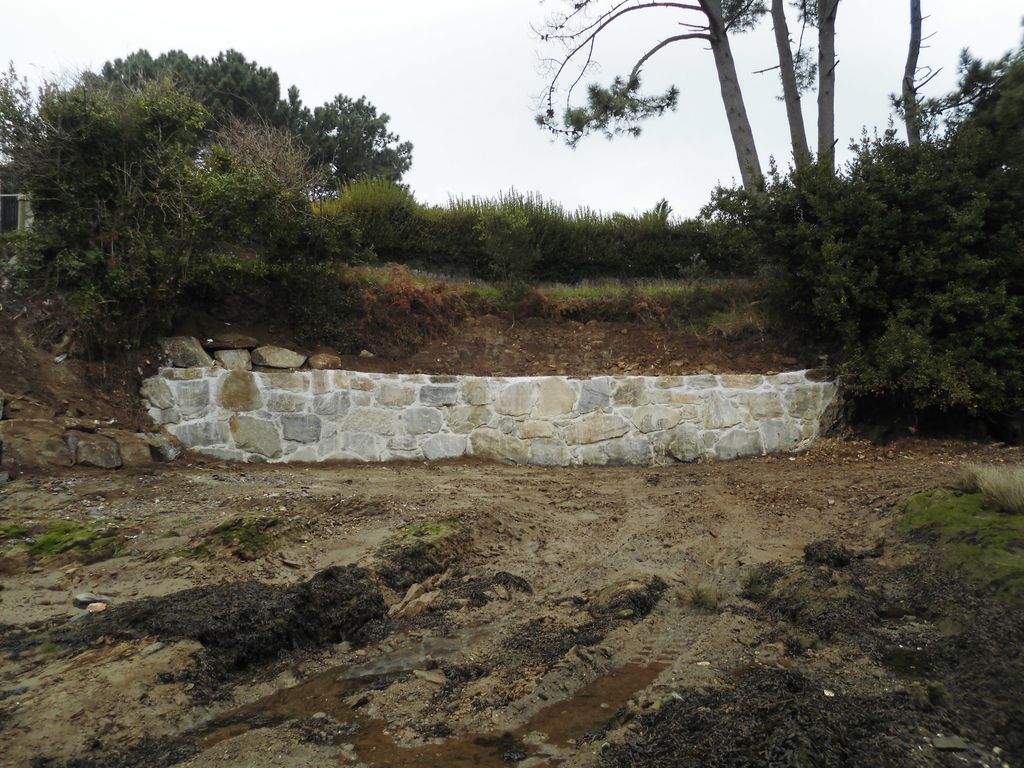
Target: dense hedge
{"points": [[561, 246]]}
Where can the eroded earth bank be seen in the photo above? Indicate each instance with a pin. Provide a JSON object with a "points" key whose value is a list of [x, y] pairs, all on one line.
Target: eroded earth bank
{"points": [[767, 611]]}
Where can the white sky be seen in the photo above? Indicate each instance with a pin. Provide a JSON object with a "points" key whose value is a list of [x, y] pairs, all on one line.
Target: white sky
{"points": [[461, 82]]}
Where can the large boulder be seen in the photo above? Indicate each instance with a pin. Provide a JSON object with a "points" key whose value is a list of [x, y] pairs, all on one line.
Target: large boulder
{"points": [[33, 443], [185, 352], [234, 359], [277, 357], [92, 450]]}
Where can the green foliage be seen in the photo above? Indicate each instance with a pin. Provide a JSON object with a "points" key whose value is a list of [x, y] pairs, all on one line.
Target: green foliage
{"points": [[509, 248], [562, 246], [909, 265], [350, 138], [346, 137], [228, 85], [141, 211], [613, 110], [975, 539]]}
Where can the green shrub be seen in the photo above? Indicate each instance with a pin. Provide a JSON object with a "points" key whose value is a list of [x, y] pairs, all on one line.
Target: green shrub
{"points": [[510, 249], [565, 246], [141, 214], [908, 266]]}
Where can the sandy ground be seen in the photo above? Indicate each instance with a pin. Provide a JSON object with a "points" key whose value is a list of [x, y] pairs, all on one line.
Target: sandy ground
{"points": [[511, 660]]}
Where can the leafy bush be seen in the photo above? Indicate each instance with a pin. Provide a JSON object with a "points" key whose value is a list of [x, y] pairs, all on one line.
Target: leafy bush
{"points": [[139, 216], [909, 266], [510, 249]]}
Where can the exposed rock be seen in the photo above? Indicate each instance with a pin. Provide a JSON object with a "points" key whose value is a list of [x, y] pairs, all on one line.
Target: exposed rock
{"points": [[163, 446], [234, 359], [435, 676], [93, 450], [277, 357], [26, 408], [83, 599], [133, 447], [631, 392], [158, 392], [324, 361], [185, 352], [231, 340], [741, 380], [256, 436], [33, 443], [779, 435]]}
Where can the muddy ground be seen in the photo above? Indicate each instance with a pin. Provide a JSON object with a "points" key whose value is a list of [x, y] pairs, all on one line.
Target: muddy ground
{"points": [[469, 614]]}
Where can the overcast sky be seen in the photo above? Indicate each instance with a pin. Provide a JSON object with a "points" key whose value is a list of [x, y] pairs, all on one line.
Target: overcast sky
{"points": [[461, 82]]}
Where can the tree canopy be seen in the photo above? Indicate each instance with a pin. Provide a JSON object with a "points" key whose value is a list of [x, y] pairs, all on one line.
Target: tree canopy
{"points": [[346, 136]]}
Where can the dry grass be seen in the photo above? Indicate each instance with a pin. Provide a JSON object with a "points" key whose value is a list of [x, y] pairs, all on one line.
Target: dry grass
{"points": [[1002, 486], [704, 597]]}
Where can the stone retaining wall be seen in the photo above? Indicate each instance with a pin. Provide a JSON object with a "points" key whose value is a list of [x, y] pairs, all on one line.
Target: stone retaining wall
{"points": [[319, 415]]}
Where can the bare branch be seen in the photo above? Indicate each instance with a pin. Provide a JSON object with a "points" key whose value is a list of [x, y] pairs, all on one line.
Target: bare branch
{"points": [[662, 44]]}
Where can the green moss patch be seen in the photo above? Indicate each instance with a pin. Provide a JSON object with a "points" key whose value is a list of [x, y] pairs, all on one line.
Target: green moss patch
{"points": [[12, 531], [976, 540], [247, 536], [87, 543]]}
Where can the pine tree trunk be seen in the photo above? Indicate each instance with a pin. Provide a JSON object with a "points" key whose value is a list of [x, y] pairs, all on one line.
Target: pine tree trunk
{"points": [[732, 97], [827, 82], [790, 91], [909, 96]]}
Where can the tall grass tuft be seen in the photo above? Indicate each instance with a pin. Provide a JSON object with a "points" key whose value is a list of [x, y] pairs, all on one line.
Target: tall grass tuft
{"points": [[1002, 486]]}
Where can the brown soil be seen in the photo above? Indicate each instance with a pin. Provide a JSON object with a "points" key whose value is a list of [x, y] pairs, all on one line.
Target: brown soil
{"points": [[592, 616], [500, 346]]}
